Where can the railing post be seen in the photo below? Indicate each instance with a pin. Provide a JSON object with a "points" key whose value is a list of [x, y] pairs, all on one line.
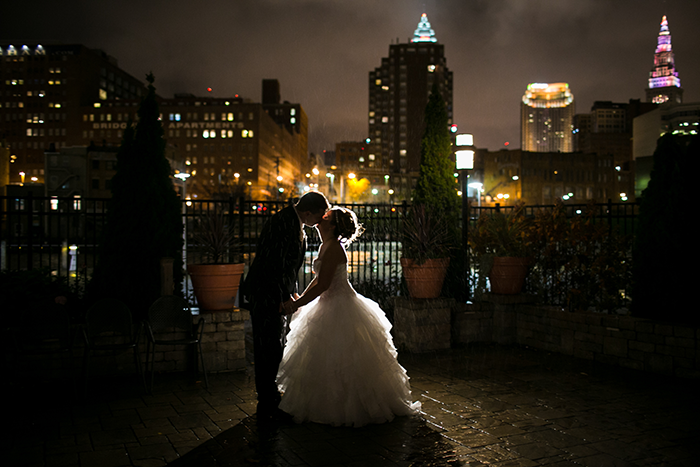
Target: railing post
{"points": [[30, 245]]}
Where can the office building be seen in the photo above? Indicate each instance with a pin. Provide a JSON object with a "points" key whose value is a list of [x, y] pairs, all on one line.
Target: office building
{"points": [[398, 95], [664, 82], [42, 91], [61, 96], [546, 118], [228, 146], [681, 120], [607, 130], [542, 178]]}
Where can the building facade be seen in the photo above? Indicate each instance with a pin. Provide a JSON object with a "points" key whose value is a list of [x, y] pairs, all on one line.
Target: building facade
{"points": [[546, 118], [398, 95], [227, 146], [43, 89], [607, 130], [536, 178], [664, 82], [58, 96]]}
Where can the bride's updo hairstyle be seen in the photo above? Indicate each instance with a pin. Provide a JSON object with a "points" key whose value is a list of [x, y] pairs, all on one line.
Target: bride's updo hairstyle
{"points": [[347, 228]]}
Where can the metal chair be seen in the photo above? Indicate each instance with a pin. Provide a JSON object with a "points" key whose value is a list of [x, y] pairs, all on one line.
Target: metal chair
{"points": [[109, 327], [170, 313]]}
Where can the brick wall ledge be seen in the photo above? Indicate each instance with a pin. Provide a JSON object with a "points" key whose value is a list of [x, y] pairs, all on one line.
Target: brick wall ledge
{"points": [[626, 341]]}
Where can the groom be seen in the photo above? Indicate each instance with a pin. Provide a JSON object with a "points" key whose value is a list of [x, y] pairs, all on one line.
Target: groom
{"points": [[270, 283]]}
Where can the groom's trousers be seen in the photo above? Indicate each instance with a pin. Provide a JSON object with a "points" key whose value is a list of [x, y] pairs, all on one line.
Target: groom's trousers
{"points": [[268, 325]]}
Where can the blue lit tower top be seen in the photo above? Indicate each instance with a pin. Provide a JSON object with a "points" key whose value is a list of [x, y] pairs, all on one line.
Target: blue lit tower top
{"points": [[423, 32], [664, 83]]}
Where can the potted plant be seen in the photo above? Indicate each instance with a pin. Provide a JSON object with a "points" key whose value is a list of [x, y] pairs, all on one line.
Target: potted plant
{"points": [[425, 252], [215, 282], [502, 243]]}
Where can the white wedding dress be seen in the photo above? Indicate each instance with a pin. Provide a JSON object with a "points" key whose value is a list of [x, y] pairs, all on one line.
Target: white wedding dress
{"points": [[339, 365]]}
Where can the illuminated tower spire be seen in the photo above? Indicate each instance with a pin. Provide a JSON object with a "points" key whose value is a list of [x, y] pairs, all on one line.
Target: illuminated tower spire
{"points": [[664, 83], [423, 33]]}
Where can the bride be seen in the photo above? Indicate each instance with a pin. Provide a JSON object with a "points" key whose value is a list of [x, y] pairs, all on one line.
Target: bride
{"points": [[339, 365]]}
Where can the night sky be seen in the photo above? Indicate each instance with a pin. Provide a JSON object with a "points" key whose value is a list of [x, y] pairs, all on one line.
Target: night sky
{"points": [[321, 51]]}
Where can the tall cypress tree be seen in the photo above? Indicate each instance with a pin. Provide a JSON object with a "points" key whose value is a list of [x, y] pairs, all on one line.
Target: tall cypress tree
{"points": [[144, 221], [435, 188], [663, 277]]}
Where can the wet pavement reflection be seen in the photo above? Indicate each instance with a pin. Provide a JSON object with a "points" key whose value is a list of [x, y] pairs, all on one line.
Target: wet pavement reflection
{"points": [[481, 405]]}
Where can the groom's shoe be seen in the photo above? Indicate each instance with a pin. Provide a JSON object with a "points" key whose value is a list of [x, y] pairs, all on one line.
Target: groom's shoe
{"points": [[272, 415], [282, 416]]}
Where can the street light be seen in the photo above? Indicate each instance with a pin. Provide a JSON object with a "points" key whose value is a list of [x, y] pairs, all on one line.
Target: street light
{"points": [[464, 161]]}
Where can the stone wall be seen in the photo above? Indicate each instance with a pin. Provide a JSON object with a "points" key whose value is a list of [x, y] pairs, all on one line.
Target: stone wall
{"points": [[223, 344], [223, 347], [421, 325], [625, 341]]}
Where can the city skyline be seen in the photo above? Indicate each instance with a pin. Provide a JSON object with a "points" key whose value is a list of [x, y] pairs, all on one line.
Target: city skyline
{"points": [[321, 52]]}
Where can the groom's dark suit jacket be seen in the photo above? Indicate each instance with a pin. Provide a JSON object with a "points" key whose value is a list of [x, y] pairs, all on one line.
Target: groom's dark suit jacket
{"points": [[272, 277]]}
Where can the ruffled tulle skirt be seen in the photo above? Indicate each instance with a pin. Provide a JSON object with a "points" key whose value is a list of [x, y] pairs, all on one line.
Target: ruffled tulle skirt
{"points": [[339, 365]]}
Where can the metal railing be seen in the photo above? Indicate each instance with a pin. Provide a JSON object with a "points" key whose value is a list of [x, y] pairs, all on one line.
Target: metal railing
{"points": [[63, 234]]}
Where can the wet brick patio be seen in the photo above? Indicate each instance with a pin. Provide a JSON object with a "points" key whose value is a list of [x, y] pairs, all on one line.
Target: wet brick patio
{"points": [[482, 405]]}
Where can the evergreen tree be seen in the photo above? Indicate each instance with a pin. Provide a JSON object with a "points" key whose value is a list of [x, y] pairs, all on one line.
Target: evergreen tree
{"points": [[661, 272], [144, 220], [435, 188]]}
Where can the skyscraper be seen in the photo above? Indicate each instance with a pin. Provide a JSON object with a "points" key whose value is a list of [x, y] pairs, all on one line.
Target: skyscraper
{"points": [[398, 94], [664, 83], [546, 118]]}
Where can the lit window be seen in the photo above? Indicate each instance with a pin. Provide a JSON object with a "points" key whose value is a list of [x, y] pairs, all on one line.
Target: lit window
{"points": [[292, 120], [205, 134], [229, 117]]}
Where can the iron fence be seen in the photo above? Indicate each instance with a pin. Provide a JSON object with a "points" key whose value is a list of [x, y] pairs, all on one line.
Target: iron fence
{"points": [[63, 234], [617, 216]]}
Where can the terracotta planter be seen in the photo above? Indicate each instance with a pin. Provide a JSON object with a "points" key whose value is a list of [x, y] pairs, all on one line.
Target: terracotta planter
{"points": [[507, 275], [215, 285], [425, 280]]}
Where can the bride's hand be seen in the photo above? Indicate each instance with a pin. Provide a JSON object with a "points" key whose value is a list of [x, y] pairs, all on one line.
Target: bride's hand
{"points": [[288, 307]]}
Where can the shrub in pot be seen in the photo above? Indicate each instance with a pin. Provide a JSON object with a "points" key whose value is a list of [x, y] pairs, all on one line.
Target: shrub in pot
{"points": [[425, 252], [215, 282], [502, 243]]}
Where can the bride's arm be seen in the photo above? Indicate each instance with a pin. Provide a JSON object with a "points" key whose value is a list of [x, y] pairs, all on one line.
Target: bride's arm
{"points": [[334, 256]]}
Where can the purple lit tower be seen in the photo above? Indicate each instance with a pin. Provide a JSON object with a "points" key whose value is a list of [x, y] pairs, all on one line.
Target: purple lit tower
{"points": [[664, 83]]}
